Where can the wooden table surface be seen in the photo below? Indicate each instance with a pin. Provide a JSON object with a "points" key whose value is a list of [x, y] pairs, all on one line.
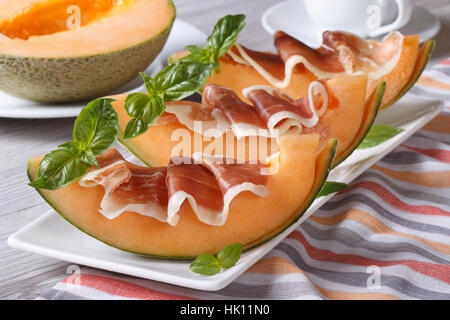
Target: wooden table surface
{"points": [[24, 275]]}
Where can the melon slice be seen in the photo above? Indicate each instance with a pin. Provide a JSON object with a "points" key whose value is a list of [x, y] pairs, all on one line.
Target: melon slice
{"points": [[303, 169], [422, 59], [347, 122], [73, 50], [396, 60]]}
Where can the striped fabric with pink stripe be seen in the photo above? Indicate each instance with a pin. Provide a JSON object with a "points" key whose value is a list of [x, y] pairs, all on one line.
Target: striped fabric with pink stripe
{"points": [[395, 217]]}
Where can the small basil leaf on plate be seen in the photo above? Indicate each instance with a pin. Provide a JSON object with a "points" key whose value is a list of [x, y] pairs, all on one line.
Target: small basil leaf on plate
{"points": [[331, 187], [58, 169], [206, 265], [96, 127], [145, 110], [229, 255], [180, 80], [378, 134], [225, 34]]}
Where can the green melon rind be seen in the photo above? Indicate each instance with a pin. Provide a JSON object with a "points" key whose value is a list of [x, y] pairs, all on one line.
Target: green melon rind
{"points": [[422, 60], [326, 157], [372, 107], [63, 80]]}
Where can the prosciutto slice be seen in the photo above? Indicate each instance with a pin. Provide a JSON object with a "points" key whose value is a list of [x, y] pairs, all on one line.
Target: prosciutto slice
{"points": [[208, 183], [340, 53], [272, 110], [210, 186], [129, 187], [198, 117], [281, 112], [240, 116]]}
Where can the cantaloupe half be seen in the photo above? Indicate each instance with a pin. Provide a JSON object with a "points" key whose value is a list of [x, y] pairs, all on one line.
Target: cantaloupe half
{"points": [[348, 123], [303, 169], [72, 50]]}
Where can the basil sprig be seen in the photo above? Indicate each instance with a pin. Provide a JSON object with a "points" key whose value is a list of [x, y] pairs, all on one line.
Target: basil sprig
{"points": [[378, 134], [95, 130], [175, 82], [223, 37], [182, 79], [331, 187], [208, 264]]}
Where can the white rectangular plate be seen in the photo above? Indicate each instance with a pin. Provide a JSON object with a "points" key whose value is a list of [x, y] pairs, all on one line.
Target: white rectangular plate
{"points": [[52, 236]]}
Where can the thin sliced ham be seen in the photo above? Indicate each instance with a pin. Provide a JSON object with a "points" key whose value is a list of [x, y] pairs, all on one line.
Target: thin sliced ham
{"points": [[129, 187], [341, 53], [208, 183], [273, 112], [281, 112], [241, 117], [198, 117], [210, 186]]}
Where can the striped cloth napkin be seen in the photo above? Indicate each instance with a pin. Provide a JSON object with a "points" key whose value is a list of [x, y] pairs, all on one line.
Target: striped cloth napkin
{"points": [[386, 237]]}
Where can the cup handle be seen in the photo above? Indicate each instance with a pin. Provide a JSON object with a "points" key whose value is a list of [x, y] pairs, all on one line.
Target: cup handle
{"points": [[404, 14]]}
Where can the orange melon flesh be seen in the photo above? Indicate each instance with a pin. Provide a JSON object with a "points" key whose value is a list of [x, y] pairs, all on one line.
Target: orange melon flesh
{"points": [[372, 106], [251, 221], [155, 146], [422, 59], [52, 16], [238, 76], [36, 28], [399, 76], [344, 123]]}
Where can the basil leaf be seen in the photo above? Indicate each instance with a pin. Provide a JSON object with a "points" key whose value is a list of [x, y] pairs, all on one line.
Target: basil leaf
{"points": [[58, 169], [180, 80], [378, 134], [96, 129], [229, 255], [331, 187], [206, 265], [224, 35], [198, 54], [88, 156], [97, 126], [147, 81], [145, 110]]}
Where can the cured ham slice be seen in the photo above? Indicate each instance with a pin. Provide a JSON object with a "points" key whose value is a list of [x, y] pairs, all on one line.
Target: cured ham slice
{"points": [[281, 112], [272, 114], [129, 187], [272, 110], [341, 53], [208, 183], [210, 186], [241, 117], [199, 118]]}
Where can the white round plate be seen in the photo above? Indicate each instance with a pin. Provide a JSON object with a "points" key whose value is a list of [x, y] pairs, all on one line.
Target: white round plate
{"points": [[291, 17], [182, 34]]}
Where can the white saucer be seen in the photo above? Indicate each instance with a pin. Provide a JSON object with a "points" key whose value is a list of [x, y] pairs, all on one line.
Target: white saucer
{"points": [[182, 34], [291, 17]]}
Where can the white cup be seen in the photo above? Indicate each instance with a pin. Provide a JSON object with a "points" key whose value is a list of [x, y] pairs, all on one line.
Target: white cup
{"points": [[362, 17]]}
